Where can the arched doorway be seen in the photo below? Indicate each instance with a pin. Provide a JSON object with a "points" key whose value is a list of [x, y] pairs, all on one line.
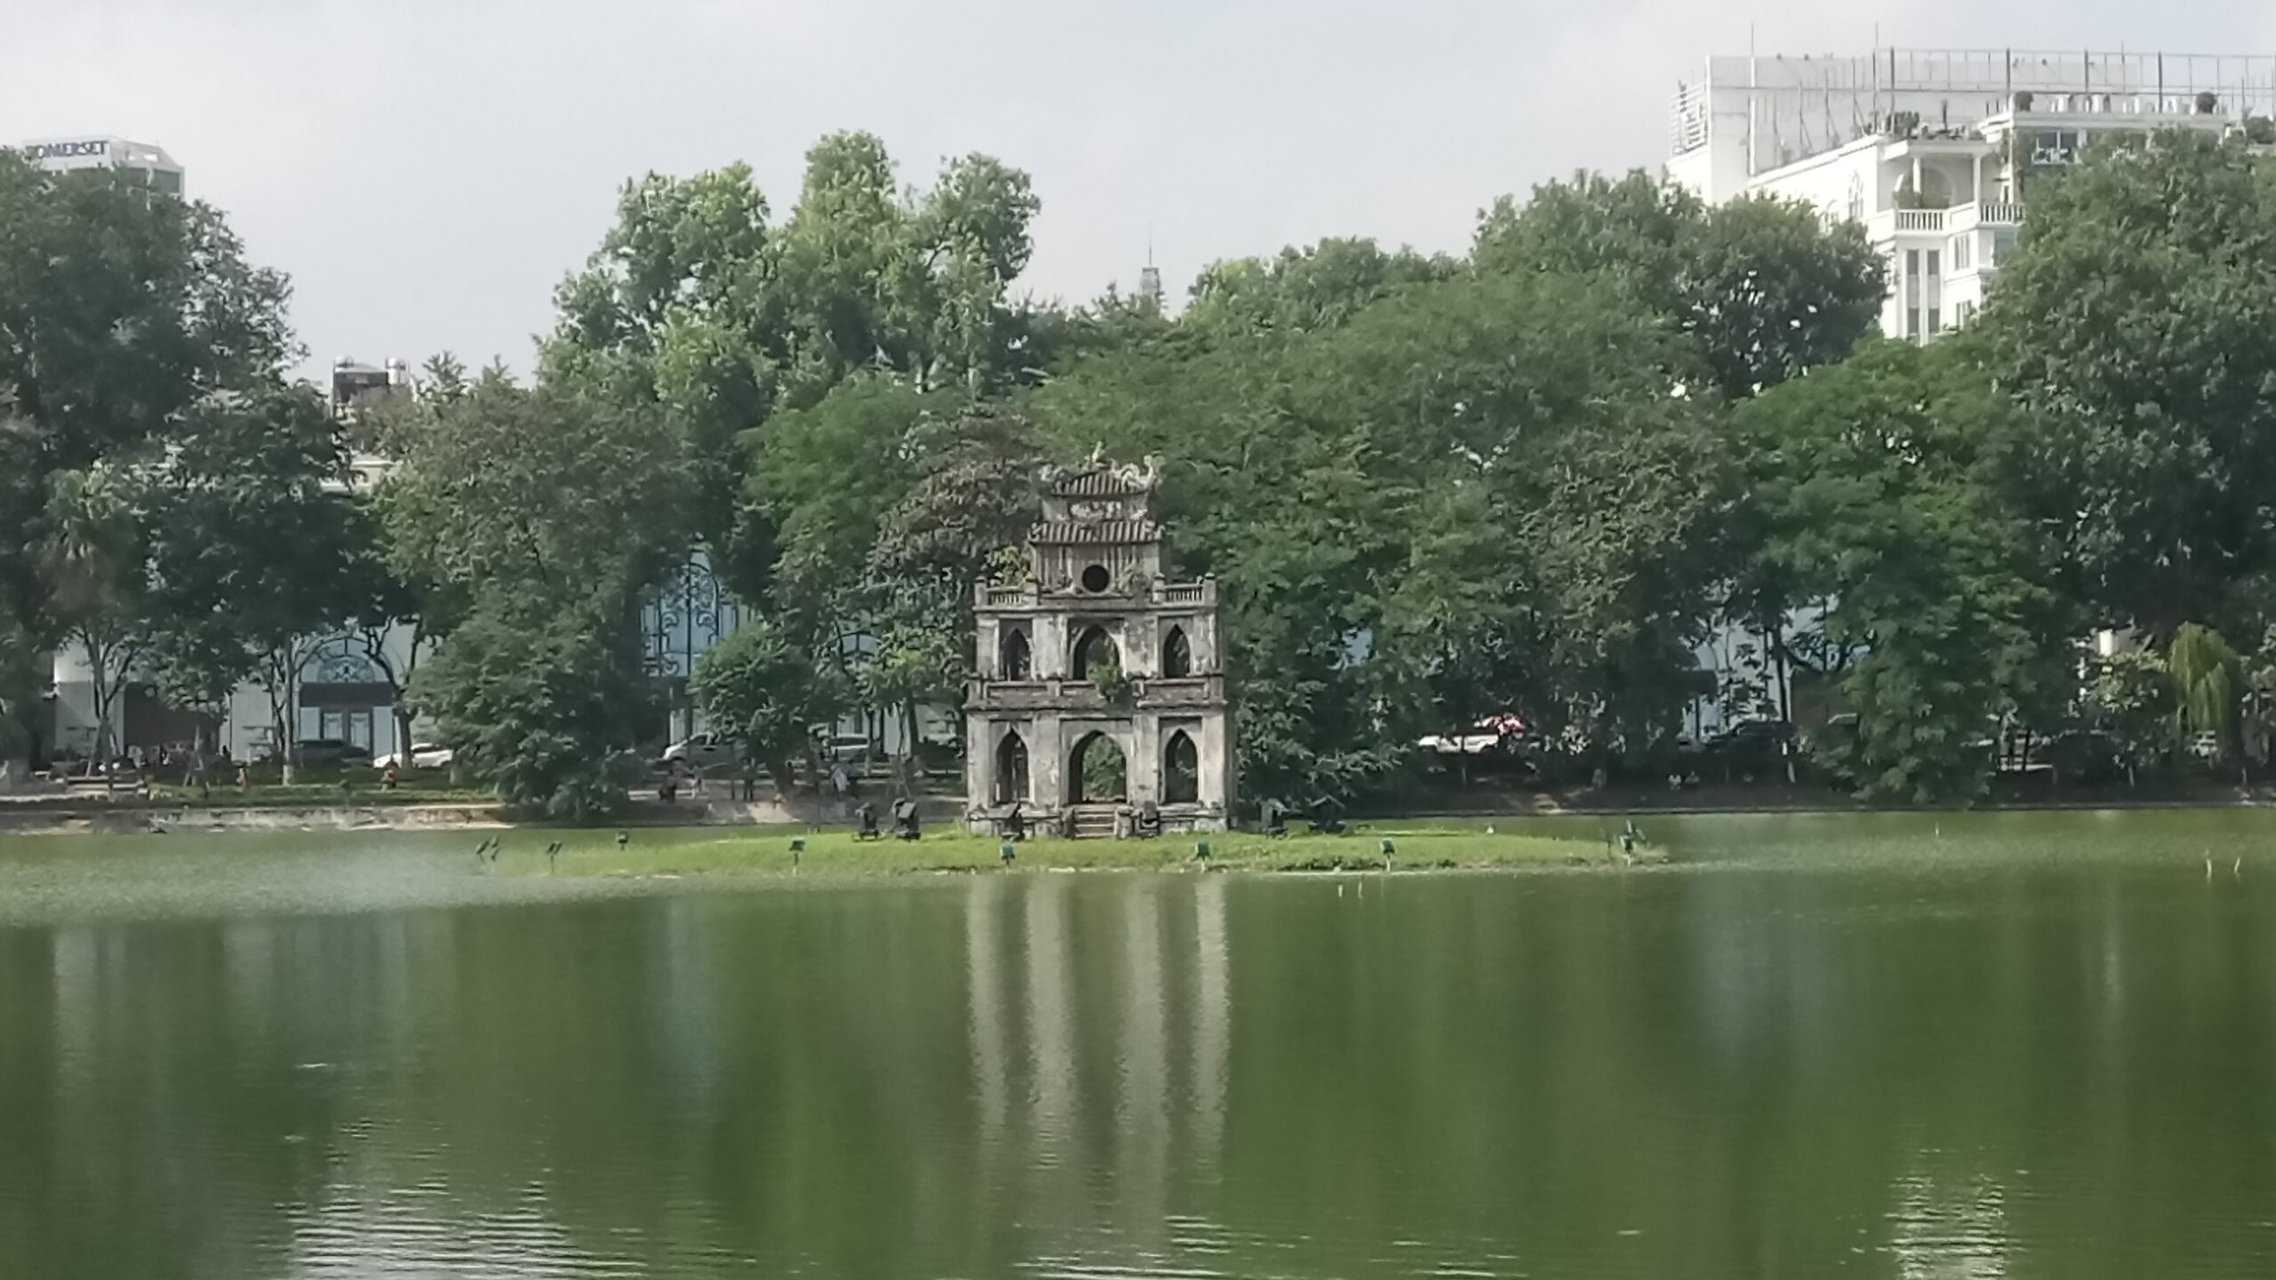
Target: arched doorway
{"points": [[1095, 654], [1181, 770], [1011, 768], [1177, 654], [1017, 658], [1096, 771]]}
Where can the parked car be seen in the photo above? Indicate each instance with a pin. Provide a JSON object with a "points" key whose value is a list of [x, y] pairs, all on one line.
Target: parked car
{"points": [[701, 751], [845, 748], [331, 751], [1476, 740], [422, 755]]}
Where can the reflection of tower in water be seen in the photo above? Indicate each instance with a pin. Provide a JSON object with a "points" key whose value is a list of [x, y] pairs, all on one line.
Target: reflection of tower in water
{"points": [[1212, 1020], [1157, 951], [1142, 1060], [1050, 1018], [984, 974]]}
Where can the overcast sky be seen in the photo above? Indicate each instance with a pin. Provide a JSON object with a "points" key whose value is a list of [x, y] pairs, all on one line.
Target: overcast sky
{"points": [[428, 171]]}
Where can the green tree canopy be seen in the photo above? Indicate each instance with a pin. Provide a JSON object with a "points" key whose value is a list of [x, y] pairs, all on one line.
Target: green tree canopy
{"points": [[2134, 322], [1474, 494], [1878, 485], [765, 690], [1764, 288], [118, 314]]}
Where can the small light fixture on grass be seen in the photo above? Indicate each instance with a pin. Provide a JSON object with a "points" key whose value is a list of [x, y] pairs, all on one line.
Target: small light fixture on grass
{"points": [[797, 847], [1008, 851], [1388, 850], [1201, 851]]}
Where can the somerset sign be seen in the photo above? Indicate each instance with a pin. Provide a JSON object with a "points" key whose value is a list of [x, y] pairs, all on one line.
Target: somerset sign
{"points": [[68, 150]]}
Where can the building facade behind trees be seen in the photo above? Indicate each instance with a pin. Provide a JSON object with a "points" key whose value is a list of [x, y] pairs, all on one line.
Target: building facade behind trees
{"points": [[1933, 150]]}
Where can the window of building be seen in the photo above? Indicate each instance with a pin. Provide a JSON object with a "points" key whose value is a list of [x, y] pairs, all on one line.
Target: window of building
{"points": [[2057, 146], [1017, 657], [1934, 327], [1962, 313], [1011, 769], [1095, 655], [1963, 252], [1181, 770], [1177, 654]]}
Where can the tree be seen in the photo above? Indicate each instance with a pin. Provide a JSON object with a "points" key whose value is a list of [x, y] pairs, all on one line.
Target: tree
{"points": [[545, 511], [118, 312], [2130, 696], [536, 694], [2208, 684], [1764, 288], [1479, 493], [700, 315], [95, 557], [890, 506], [2132, 323], [1878, 483], [387, 602], [824, 478], [957, 526], [542, 492], [1305, 290], [765, 690], [251, 550]]}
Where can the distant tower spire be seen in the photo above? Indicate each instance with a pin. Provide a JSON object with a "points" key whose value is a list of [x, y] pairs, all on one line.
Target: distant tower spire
{"points": [[1150, 276]]}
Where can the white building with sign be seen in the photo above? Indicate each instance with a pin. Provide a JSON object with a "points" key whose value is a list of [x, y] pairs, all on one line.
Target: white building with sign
{"points": [[143, 162], [1933, 149]]}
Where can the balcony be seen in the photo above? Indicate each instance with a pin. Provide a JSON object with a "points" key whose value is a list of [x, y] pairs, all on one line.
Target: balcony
{"points": [[1960, 217], [1158, 592], [1081, 697], [1988, 213]]}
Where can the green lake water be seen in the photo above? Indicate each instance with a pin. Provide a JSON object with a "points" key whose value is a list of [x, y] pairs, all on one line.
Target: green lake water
{"points": [[1903, 1045]]}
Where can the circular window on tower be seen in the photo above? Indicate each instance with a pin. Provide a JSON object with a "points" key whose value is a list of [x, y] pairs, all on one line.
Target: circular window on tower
{"points": [[1096, 579]]}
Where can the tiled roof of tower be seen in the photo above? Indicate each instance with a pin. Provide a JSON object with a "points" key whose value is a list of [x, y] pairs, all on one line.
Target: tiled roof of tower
{"points": [[1101, 483], [1068, 532]]}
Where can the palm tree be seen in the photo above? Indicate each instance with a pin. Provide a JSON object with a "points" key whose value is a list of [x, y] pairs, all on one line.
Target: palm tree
{"points": [[94, 561]]}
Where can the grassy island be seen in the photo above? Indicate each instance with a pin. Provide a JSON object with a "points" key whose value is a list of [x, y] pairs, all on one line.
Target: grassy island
{"points": [[768, 851]]}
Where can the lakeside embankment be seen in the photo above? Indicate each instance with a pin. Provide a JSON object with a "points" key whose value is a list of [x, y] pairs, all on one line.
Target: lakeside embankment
{"points": [[769, 852], [308, 809]]}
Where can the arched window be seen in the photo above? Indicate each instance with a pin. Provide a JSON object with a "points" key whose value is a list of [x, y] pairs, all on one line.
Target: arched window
{"points": [[1016, 658], [1095, 654], [1181, 770], [1177, 654], [1011, 768], [1096, 772]]}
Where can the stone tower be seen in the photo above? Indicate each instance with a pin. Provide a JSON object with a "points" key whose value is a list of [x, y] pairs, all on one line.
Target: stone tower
{"points": [[1095, 661]]}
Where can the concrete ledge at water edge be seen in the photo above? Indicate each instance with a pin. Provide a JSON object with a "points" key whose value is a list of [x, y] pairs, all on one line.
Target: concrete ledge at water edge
{"points": [[116, 821]]}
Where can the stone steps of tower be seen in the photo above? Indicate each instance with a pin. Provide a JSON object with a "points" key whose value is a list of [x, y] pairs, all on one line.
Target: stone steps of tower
{"points": [[1092, 822]]}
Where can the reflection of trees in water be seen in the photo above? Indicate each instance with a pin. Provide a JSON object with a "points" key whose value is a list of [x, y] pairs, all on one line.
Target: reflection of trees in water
{"points": [[1960, 1073]]}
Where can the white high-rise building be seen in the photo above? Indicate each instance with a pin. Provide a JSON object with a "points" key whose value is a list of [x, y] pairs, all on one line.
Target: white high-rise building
{"points": [[1933, 149], [141, 161]]}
